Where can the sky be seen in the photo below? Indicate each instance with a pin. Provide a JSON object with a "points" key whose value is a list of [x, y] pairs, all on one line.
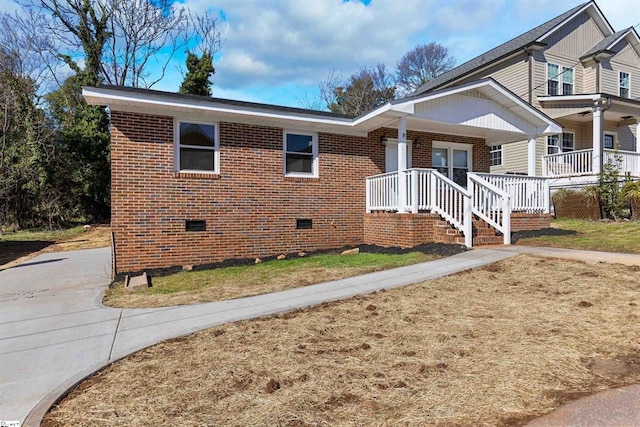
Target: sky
{"points": [[277, 51]]}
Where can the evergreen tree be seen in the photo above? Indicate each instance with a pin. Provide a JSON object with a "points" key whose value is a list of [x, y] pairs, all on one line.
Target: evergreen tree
{"points": [[199, 70]]}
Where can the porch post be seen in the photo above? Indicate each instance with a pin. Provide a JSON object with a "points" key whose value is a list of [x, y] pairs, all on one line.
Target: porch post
{"points": [[531, 157], [637, 164], [402, 164], [598, 136]]}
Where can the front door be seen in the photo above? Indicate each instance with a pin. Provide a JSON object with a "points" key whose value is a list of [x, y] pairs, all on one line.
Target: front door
{"points": [[452, 160], [391, 155]]}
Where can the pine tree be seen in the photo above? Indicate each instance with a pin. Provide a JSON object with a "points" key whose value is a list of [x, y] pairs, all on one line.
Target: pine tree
{"points": [[199, 70]]}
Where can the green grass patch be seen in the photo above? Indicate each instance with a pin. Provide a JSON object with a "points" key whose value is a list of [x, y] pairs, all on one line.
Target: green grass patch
{"points": [[41, 235], [622, 236], [187, 287]]}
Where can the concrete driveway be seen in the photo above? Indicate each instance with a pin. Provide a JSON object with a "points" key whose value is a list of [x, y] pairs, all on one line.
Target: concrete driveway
{"points": [[50, 325]]}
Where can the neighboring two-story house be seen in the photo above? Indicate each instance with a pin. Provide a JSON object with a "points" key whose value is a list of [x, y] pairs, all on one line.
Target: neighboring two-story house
{"points": [[582, 73]]}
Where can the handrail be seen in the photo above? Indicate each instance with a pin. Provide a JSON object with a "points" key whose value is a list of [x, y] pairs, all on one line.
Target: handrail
{"points": [[491, 204], [528, 193]]}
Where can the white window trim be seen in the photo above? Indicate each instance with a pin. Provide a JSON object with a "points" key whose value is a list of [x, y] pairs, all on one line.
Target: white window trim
{"points": [[560, 147], [456, 146], [559, 79], [615, 139], [620, 87], [491, 151], [314, 151], [176, 146]]}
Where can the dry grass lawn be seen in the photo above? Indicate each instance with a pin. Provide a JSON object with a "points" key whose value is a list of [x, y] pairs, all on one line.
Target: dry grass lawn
{"points": [[494, 346]]}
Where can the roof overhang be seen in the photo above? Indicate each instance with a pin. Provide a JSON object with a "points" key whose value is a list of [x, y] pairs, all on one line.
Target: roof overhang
{"points": [[204, 108], [594, 12], [483, 109], [579, 107]]}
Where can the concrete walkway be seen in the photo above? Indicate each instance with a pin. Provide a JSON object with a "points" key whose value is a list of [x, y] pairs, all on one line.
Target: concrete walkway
{"points": [[54, 331]]}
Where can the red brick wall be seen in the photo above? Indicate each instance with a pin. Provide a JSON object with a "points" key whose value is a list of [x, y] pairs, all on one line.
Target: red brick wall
{"points": [[422, 156], [404, 230], [250, 207], [529, 221]]}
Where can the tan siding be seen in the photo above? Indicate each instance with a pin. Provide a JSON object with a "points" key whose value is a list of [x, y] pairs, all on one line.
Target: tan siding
{"points": [[625, 60], [625, 54], [575, 38], [512, 74], [626, 137], [514, 158], [589, 84]]}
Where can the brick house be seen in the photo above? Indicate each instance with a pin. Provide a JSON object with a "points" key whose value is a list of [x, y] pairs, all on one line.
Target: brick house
{"points": [[198, 180]]}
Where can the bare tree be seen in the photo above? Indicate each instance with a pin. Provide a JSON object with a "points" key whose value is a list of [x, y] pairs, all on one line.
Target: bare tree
{"points": [[363, 91], [204, 30], [139, 30], [421, 64]]}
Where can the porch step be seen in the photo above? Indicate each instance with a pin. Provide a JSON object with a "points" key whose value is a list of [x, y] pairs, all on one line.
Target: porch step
{"points": [[483, 234]]}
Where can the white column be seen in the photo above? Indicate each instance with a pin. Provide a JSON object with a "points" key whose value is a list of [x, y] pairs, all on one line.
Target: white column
{"points": [[402, 164], [598, 135], [531, 157], [637, 134]]}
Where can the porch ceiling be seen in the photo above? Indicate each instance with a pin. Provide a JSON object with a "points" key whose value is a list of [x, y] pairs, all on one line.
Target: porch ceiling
{"points": [[578, 108]]}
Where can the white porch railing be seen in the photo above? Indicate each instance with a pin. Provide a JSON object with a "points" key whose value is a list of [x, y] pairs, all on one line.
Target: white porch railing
{"points": [[491, 197], [528, 194], [427, 190], [491, 204], [382, 192], [629, 161], [580, 162], [574, 163]]}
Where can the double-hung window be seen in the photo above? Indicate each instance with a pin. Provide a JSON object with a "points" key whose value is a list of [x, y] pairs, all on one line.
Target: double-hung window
{"points": [[624, 85], [300, 154], [197, 147], [495, 155], [609, 140], [560, 80], [560, 143]]}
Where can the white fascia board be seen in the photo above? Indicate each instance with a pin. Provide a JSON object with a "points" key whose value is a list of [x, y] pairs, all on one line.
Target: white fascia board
{"points": [[601, 22], [569, 98], [616, 41], [98, 97], [378, 111]]}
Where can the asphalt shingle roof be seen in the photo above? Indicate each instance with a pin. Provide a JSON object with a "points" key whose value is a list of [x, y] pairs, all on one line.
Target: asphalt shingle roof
{"points": [[604, 43], [496, 53]]}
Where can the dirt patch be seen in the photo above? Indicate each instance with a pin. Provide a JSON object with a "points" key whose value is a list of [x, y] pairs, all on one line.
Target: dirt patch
{"points": [[540, 233], [14, 252], [468, 349]]}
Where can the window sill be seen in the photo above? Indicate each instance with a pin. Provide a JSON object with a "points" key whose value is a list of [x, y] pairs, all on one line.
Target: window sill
{"points": [[300, 178], [197, 175]]}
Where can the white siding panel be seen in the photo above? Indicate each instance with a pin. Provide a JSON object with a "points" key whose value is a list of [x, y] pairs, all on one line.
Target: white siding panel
{"points": [[472, 111]]}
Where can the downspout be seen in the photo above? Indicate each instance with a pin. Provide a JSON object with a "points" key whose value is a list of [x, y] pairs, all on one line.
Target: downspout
{"points": [[531, 60], [598, 65]]}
